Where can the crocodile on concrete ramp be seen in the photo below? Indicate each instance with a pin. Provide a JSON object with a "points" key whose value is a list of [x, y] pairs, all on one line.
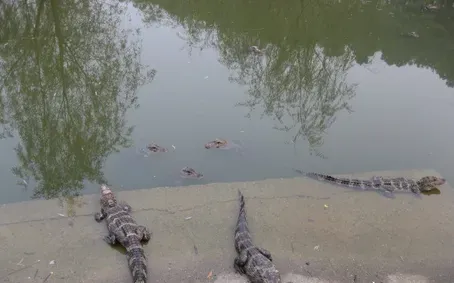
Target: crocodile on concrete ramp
{"points": [[316, 232]]}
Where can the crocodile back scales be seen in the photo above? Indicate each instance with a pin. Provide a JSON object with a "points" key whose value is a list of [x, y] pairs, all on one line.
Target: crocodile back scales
{"points": [[258, 268], [378, 183], [120, 222]]}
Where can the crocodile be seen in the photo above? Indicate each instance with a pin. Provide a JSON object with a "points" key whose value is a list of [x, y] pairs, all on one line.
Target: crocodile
{"points": [[124, 230], [217, 143], [156, 148], [254, 262], [386, 186], [189, 173]]}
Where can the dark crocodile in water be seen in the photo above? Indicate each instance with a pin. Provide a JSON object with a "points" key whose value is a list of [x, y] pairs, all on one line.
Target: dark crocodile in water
{"points": [[254, 262], [217, 143], [156, 148], [225, 145], [189, 173], [124, 230], [386, 186]]}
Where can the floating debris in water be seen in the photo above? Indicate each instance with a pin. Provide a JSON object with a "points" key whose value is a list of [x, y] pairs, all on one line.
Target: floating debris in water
{"points": [[256, 50], [22, 182], [413, 34], [181, 36]]}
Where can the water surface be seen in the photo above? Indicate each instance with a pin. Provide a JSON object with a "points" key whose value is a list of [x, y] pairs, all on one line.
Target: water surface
{"points": [[342, 86]]}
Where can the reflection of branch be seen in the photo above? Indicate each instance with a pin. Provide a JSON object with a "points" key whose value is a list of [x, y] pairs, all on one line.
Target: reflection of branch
{"points": [[67, 136], [92, 93], [288, 88], [61, 51], [38, 18], [295, 82]]}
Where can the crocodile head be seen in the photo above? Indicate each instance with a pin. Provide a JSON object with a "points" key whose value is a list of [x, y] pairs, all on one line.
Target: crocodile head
{"points": [[217, 143], [107, 197], [156, 148], [188, 172], [429, 183]]}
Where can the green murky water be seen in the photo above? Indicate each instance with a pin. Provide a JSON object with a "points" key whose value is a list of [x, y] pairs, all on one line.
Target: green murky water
{"points": [[342, 86]]}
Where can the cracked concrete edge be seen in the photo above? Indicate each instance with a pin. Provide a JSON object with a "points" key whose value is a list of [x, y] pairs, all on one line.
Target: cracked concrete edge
{"points": [[165, 200]]}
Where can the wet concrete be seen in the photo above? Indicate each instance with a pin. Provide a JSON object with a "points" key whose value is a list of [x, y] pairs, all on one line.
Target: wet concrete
{"points": [[315, 232]]}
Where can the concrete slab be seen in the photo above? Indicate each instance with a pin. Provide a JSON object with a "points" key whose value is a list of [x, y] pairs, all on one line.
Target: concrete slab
{"points": [[315, 231]]}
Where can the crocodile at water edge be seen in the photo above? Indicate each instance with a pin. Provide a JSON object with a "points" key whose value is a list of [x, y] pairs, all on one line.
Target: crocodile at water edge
{"points": [[254, 262], [386, 186], [124, 230]]}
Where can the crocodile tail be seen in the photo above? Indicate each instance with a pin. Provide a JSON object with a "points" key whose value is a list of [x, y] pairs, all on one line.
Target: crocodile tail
{"points": [[137, 263], [316, 176], [242, 214]]}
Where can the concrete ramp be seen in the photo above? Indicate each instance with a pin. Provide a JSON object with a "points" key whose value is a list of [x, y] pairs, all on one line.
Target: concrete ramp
{"points": [[316, 232]]}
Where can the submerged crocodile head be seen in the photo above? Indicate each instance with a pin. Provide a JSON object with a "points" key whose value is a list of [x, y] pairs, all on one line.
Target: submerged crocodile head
{"points": [[188, 172], [429, 183], [156, 148], [217, 143], [107, 197]]}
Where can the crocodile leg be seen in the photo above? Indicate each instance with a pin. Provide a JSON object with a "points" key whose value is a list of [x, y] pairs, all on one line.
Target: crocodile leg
{"points": [[266, 253], [125, 206], [386, 193], [110, 239], [99, 216], [240, 261], [143, 233]]}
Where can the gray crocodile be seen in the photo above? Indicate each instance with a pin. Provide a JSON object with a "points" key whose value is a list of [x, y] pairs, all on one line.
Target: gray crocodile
{"points": [[189, 173], [124, 230], [385, 186], [156, 148], [254, 262]]}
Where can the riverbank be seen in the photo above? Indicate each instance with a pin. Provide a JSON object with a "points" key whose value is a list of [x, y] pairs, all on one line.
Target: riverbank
{"points": [[312, 229]]}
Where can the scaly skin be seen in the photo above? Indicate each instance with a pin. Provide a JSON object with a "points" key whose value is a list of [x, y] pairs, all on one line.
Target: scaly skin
{"points": [[156, 148], [386, 185], [189, 173], [217, 143], [124, 230], [254, 262]]}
